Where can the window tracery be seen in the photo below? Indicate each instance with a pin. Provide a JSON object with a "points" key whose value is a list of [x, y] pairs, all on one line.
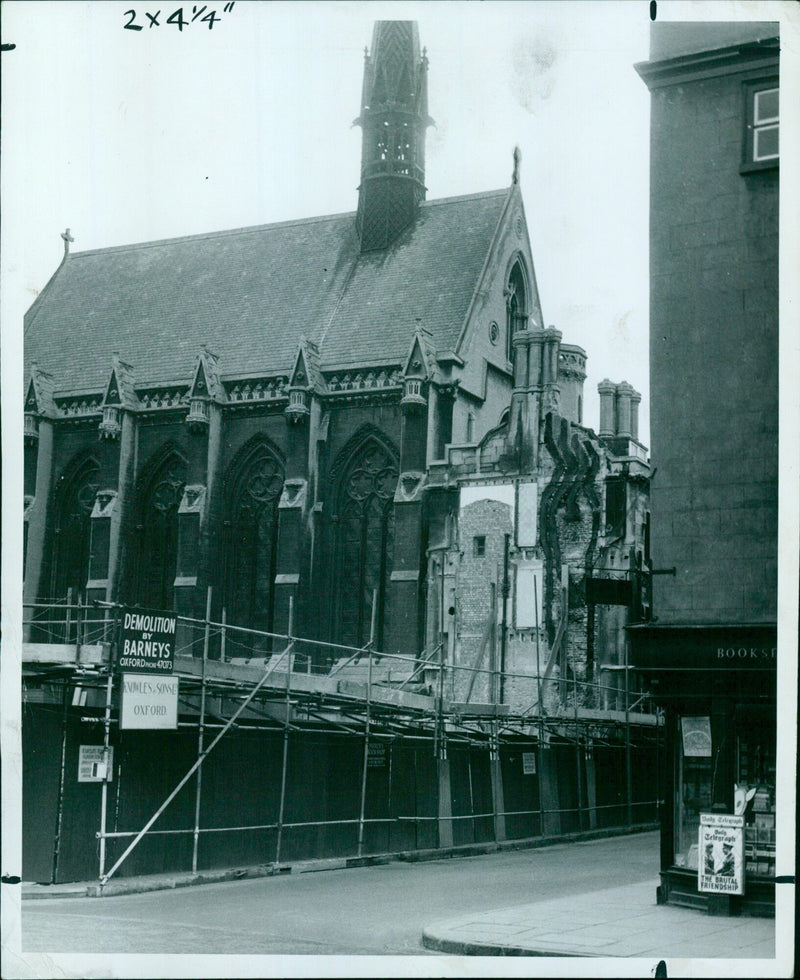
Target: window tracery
{"points": [[75, 496], [516, 308], [365, 543], [157, 534], [251, 531]]}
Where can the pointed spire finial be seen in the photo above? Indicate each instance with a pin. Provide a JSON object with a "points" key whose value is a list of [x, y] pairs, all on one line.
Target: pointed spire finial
{"points": [[67, 239], [517, 159]]}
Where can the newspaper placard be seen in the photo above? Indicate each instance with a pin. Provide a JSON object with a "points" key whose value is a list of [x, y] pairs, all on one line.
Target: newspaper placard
{"points": [[720, 866]]}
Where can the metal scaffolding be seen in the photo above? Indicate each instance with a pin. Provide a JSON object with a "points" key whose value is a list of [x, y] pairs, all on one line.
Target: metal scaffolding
{"points": [[328, 688]]}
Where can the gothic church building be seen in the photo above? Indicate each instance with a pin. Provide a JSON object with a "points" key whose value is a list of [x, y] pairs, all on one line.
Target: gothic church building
{"points": [[272, 411]]}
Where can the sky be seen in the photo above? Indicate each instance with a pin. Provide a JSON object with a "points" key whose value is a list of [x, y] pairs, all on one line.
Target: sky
{"points": [[132, 136]]}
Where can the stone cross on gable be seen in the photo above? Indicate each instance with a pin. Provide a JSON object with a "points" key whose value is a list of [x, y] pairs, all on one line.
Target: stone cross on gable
{"points": [[67, 239]]}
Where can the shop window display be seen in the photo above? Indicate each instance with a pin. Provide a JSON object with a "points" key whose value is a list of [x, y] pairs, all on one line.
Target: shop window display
{"points": [[755, 766], [695, 783], [754, 790]]}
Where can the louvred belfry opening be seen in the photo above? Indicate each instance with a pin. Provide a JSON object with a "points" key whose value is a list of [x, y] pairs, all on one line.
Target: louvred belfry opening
{"points": [[394, 116]]}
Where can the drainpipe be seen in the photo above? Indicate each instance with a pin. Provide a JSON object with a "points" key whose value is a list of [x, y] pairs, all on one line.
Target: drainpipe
{"points": [[503, 639]]}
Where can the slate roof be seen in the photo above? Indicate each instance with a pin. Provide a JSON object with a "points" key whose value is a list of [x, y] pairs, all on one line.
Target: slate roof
{"points": [[250, 294]]}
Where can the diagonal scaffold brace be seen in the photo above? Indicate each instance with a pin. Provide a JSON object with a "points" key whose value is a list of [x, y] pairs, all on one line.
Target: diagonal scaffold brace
{"points": [[285, 654]]}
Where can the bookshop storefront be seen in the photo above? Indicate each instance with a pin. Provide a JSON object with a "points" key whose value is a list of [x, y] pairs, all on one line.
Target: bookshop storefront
{"points": [[717, 687]]}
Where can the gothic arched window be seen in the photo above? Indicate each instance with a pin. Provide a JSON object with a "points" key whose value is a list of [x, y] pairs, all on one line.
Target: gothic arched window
{"points": [[74, 499], [365, 541], [157, 533], [251, 527], [516, 308]]}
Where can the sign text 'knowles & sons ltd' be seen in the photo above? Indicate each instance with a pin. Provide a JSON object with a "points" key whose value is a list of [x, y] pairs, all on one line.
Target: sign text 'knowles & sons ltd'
{"points": [[149, 702]]}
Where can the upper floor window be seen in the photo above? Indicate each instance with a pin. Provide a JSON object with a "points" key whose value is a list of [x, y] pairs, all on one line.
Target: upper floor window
{"points": [[516, 308], [364, 533], [762, 126], [616, 506]]}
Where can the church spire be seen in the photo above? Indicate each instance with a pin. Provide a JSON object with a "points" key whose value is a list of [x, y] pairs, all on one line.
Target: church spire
{"points": [[394, 116]]}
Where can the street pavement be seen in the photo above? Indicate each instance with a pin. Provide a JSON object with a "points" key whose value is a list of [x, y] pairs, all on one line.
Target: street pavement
{"points": [[580, 898], [614, 922]]}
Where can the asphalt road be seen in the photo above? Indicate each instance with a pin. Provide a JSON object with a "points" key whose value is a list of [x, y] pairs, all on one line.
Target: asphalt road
{"points": [[376, 910]]}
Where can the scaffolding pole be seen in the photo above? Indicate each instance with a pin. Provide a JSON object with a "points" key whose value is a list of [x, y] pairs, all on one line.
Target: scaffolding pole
{"points": [[539, 709], [286, 727], [223, 633], [104, 878], [104, 784], [61, 777], [366, 724], [628, 775], [578, 766], [505, 591], [200, 734], [439, 749]]}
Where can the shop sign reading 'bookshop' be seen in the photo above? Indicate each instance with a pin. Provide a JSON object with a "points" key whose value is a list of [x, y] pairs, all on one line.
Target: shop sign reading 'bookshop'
{"points": [[705, 648]]}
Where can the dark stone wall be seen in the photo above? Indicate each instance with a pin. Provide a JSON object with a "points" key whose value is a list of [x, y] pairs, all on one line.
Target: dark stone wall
{"points": [[302, 531], [714, 359]]}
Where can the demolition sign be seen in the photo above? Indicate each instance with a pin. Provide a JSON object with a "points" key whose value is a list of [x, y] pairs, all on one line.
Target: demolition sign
{"points": [[147, 643]]}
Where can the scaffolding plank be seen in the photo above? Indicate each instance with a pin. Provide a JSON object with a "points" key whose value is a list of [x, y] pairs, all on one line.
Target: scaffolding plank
{"points": [[388, 696], [63, 653]]}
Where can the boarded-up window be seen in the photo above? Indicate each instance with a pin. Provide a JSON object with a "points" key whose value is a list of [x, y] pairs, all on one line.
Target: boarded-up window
{"points": [[615, 506]]}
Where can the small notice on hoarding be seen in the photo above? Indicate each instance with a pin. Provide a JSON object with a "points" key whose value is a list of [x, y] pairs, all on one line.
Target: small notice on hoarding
{"points": [[720, 865], [376, 755], [529, 763], [149, 702], [94, 766], [147, 643]]}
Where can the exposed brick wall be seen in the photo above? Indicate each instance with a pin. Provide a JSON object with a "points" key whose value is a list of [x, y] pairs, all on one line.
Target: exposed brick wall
{"points": [[478, 579], [573, 525]]}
